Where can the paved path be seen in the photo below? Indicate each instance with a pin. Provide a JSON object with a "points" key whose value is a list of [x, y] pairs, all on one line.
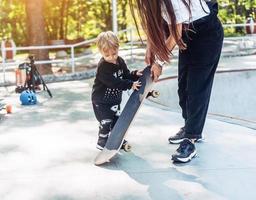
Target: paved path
{"points": [[47, 152]]}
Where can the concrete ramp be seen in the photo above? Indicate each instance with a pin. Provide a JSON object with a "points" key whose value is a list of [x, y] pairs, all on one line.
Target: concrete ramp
{"points": [[233, 96], [47, 153]]}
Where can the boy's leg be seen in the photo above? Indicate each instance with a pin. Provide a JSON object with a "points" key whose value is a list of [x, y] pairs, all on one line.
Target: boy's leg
{"points": [[105, 116]]}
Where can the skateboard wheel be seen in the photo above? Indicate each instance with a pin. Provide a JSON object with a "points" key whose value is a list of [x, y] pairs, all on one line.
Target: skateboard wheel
{"points": [[155, 93], [8, 108], [127, 147]]}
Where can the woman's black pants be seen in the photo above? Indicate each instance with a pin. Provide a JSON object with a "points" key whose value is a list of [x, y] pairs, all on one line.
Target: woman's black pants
{"points": [[196, 69]]}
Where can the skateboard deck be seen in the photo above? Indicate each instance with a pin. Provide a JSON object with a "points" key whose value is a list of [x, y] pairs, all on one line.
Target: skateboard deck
{"points": [[124, 121]]}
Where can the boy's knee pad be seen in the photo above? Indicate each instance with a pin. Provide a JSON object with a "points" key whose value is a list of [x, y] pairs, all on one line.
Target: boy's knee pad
{"points": [[105, 126]]}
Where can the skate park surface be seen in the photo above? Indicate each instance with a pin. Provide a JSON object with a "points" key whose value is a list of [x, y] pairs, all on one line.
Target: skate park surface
{"points": [[47, 150]]}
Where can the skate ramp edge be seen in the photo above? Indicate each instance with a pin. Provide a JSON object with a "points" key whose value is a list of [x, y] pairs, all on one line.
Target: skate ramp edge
{"points": [[232, 95]]}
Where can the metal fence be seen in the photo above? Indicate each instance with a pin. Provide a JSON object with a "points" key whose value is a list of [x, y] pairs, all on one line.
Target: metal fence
{"points": [[130, 46]]}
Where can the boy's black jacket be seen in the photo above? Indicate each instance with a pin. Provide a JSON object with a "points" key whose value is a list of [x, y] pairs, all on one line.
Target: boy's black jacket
{"points": [[111, 79]]}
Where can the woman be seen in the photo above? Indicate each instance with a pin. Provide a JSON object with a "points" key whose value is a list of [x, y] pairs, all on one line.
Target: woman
{"points": [[193, 25]]}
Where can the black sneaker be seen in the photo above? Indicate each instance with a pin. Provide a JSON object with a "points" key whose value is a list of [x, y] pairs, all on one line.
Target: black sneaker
{"points": [[101, 143], [185, 152], [180, 136]]}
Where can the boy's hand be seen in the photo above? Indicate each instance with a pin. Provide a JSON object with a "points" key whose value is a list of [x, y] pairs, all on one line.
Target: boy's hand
{"points": [[136, 85], [139, 72]]}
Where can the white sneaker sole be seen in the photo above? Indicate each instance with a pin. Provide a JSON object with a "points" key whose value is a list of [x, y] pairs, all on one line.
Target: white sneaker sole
{"points": [[181, 140], [184, 160], [176, 141]]}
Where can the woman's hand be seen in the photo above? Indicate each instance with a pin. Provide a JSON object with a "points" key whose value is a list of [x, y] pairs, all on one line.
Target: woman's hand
{"points": [[156, 71], [148, 56], [136, 85]]}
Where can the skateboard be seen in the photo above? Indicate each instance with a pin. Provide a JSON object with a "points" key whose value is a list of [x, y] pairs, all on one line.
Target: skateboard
{"points": [[154, 94], [119, 131]]}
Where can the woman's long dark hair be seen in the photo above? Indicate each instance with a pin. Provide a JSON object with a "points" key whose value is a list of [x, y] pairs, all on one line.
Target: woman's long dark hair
{"points": [[150, 13]]}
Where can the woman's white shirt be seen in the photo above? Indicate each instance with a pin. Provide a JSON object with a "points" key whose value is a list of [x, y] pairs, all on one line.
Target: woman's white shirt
{"points": [[198, 10]]}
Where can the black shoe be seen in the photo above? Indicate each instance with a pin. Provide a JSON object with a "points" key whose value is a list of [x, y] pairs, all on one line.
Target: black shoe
{"points": [[178, 138], [101, 142], [185, 152], [181, 136]]}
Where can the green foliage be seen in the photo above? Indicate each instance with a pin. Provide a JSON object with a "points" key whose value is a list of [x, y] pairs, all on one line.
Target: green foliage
{"points": [[71, 19], [13, 20], [236, 12]]}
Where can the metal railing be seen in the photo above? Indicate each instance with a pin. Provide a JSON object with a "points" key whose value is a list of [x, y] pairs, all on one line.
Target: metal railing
{"points": [[72, 59]]}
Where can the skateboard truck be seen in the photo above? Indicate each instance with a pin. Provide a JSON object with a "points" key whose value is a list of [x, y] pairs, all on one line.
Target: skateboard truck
{"points": [[153, 93]]}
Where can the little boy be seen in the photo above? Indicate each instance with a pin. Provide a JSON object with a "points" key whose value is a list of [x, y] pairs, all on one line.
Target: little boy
{"points": [[112, 77]]}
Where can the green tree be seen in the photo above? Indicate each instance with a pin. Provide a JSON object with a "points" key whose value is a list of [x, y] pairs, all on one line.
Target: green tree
{"points": [[36, 32], [122, 17], [236, 11], [86, 18]]}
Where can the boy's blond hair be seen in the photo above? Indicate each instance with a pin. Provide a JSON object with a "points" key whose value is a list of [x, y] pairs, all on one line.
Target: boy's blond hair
{"points": [[106, 41]]}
